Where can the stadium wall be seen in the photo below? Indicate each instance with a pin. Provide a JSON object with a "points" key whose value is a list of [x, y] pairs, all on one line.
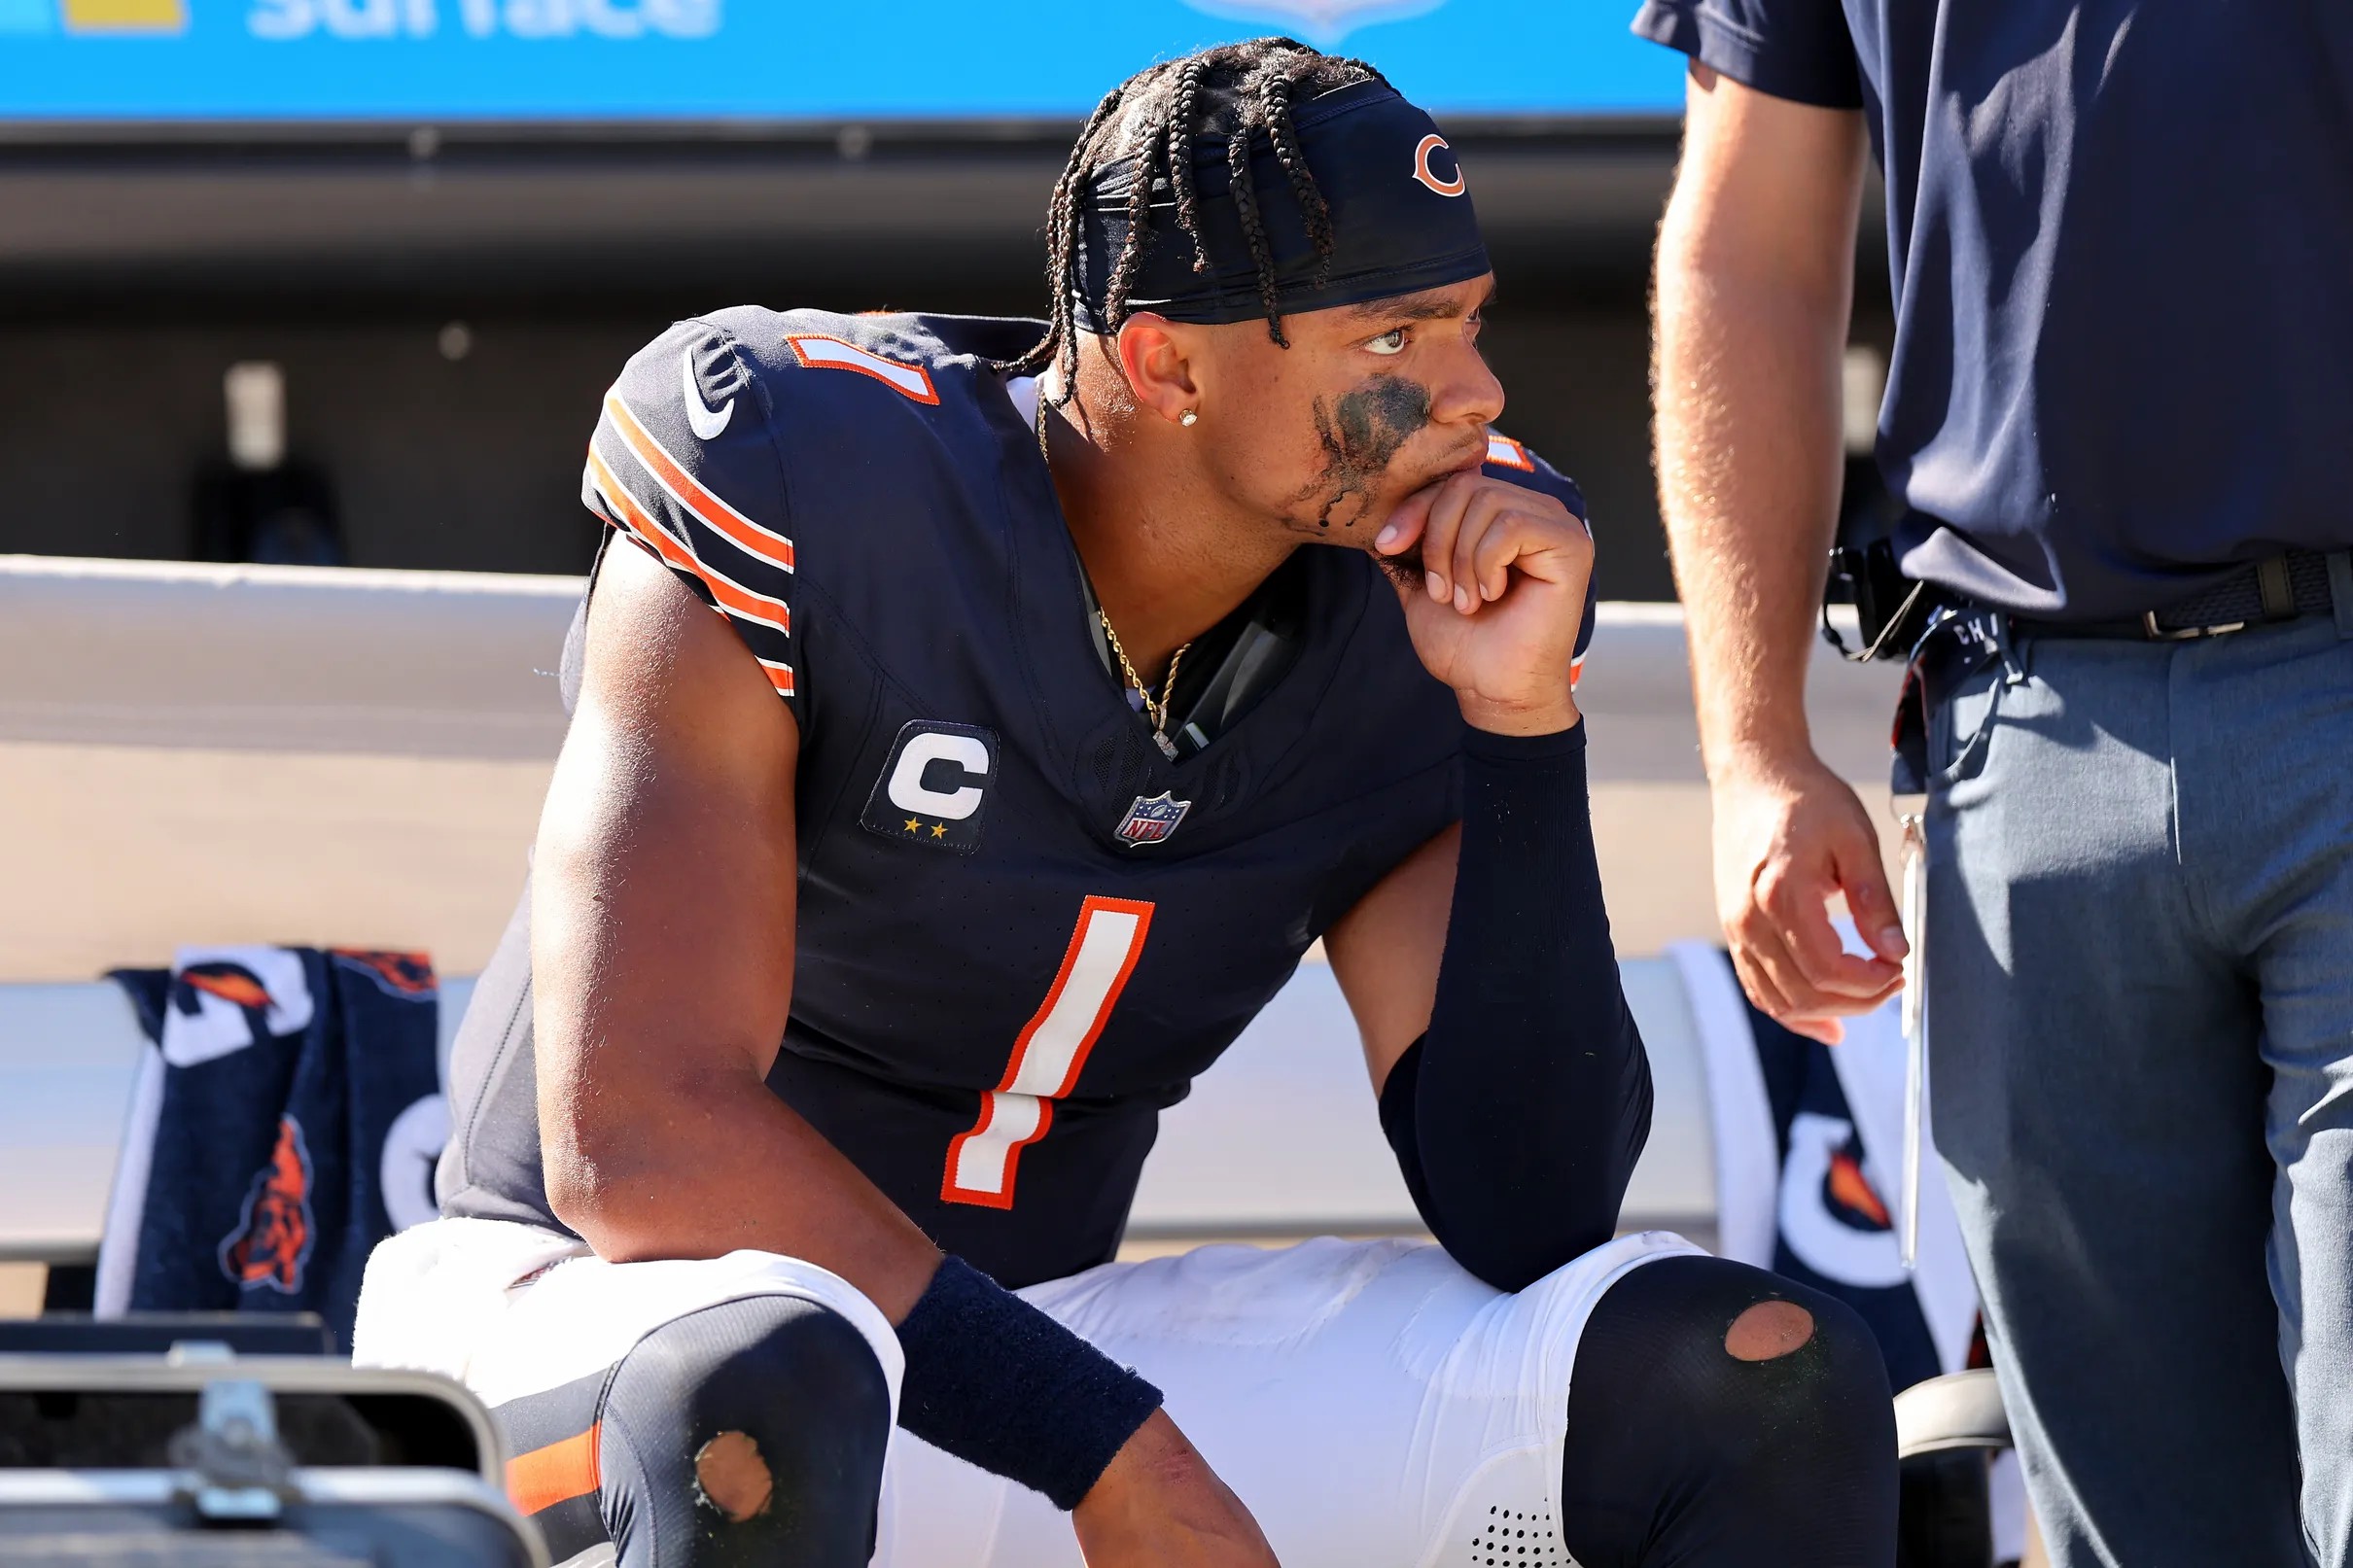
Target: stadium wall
{"points": [[448, 306]]}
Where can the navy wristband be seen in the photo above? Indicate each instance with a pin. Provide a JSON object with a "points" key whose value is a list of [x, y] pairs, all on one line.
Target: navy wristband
{"points": [[1000, 1384]]}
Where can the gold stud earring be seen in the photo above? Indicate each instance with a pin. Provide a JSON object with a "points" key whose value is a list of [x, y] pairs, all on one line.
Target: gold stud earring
{"points": [[1186, 418]]}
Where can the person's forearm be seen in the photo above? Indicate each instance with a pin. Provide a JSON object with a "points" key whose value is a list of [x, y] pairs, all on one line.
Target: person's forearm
{"points": [[1519, 1115], [702, 1165], [658, 1135], [1749, 483], [1751, 316]]}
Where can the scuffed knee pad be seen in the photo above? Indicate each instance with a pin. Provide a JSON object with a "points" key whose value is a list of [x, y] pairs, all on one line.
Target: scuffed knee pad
{"points": [[1722, 1416], [749, 1432]]}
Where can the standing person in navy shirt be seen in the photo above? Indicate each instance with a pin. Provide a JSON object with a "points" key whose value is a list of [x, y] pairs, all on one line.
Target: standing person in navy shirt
{"points": [[2118, 416]]}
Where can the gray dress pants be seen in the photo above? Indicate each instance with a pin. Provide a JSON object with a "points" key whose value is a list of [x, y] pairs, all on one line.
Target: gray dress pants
{"points": [[2140, 989]]}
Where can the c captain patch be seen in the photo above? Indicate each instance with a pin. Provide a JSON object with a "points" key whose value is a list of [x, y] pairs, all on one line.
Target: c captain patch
{"points": [[933, 787], [1150, 820]]}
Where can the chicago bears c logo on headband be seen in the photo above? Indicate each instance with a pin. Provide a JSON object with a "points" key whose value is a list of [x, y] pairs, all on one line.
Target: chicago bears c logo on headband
{"points": [[1430, 176]]}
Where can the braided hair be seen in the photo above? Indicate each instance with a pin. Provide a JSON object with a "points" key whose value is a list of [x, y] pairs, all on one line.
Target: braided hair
{"points": [[1233, 92]]}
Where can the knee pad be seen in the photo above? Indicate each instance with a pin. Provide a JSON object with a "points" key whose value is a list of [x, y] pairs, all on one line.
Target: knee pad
{"points": [[1720, 1415], [748, 1432]]}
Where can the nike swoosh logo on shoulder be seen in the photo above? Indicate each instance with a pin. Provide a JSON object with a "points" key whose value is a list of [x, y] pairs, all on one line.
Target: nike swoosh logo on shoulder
{"points": [[707, 421]]}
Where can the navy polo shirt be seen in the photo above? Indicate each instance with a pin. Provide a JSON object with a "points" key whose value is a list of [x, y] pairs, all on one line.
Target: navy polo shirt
{"points": [[2121, 237]]}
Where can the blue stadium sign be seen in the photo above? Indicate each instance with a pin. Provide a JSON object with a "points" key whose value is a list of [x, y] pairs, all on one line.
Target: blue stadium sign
{"points": [[768, 60]]}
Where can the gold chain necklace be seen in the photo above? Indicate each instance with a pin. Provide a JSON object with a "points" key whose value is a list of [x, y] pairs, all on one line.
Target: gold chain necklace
{"points": [[1156, 711]]}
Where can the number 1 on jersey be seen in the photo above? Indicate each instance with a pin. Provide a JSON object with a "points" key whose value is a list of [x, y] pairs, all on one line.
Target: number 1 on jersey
{"points": [[1049, 1052]]}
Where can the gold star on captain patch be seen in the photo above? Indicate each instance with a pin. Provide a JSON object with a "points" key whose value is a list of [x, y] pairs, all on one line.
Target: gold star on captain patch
{"points": [[913, 825], [939, 830]]}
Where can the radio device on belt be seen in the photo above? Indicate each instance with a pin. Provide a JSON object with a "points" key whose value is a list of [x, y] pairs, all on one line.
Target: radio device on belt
{"points": [[1890, 609]]}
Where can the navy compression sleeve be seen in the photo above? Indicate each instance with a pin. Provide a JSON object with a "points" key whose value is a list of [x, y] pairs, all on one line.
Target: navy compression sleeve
{"points": [[1517, 1118]]}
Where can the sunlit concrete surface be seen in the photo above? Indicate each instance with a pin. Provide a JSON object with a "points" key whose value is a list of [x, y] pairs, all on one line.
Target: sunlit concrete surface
{"points": [[200, 753]]}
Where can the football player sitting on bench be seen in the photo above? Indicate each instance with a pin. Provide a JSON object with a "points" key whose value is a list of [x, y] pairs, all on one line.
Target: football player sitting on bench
{"points": [[977, 721]]}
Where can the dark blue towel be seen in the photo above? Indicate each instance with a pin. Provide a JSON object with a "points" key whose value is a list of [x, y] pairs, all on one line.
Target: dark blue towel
{"points": [[287, 1123], [1801, 1082]]}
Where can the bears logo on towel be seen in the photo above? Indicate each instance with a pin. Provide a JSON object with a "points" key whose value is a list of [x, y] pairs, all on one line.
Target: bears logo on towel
{"points": [[273, 1238], [233, 983], [399, 974], [1847, 1192], [224, 999]]}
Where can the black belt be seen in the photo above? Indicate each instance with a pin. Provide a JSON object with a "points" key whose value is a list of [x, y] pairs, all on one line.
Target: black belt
{"points": [[2278, 589]]}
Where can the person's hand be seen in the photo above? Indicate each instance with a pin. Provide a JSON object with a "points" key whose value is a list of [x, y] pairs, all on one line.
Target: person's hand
{"points": [[1789, 835], [1502, 594], [1159, 1505]]}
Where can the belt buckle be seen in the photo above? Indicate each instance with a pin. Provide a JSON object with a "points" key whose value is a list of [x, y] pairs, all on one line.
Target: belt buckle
{"points": [[2185, 634]]}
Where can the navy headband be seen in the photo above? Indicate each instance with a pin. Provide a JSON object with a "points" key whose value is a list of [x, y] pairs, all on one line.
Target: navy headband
{"points": [[1401, 216]]}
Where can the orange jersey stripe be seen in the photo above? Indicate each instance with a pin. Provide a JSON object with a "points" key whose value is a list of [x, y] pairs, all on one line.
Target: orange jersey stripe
{"points": [[556, 1474], [732, 596], [689, 492]]}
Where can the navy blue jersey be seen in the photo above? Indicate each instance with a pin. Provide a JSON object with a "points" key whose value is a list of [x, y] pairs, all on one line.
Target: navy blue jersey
{"points": [[1023, 929], [2117, 235]]}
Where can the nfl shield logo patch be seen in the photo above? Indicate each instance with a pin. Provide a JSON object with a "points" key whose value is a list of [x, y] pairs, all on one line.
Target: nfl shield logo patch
{"points": [[1148, 821]]}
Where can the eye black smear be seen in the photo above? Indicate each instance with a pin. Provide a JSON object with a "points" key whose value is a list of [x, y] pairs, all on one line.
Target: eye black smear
{"points": [[1361, 434]]}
